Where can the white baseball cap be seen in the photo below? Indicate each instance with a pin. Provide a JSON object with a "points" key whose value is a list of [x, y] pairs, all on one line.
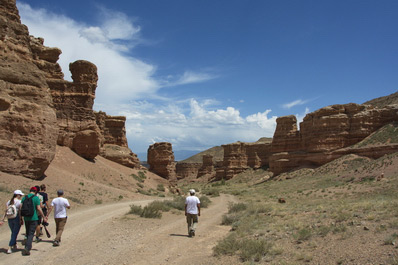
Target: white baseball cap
{"points": [[18, 192], [192, 191]]}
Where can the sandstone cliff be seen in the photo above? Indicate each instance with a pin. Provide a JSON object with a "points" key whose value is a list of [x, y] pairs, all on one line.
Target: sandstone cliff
{"points": [[28, 126], [39, 109], [326, 132], [113, 140], [161, 160]]}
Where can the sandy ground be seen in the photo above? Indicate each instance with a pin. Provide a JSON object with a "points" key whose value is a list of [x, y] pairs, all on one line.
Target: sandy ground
{"points": [[104, 234]]}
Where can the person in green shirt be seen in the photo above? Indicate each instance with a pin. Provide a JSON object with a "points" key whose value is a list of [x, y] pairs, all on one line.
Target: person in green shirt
{"points": [[31, 222]]}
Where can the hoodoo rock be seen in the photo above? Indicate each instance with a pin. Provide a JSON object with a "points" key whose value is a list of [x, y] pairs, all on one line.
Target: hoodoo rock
{"points": [[74, 102], [114, 142], [161, 160], [28, 126]]}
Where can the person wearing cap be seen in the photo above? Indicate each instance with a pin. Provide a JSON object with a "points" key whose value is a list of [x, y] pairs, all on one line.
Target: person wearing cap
{"points": [[31, 222], [13, 223], [192, 211], [60, 204]]}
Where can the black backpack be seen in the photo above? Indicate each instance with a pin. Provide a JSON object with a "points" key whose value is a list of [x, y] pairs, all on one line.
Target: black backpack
{"points": [[27, 208]]}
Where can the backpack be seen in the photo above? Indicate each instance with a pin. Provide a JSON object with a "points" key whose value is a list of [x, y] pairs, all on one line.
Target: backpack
{"points": [[11, 212], [27, 208]]}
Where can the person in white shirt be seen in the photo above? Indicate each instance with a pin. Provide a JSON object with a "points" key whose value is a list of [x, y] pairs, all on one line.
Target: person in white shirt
{"points": [[13, 222], [59, 204], [192, 211]]}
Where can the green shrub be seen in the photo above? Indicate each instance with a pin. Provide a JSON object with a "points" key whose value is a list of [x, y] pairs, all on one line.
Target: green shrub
{"points": [[227, 246], [204, 202], [151, 212], [160, 206], [177, 203], [135, 209], [212, 192], [254, 249], [229, 219], [98, 201], [160, 187], [236, 207], [303, 234]]}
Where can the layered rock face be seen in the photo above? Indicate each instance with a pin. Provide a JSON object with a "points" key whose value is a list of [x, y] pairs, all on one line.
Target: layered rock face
{"points": [[113, 140], [207, 167], [74, 102], [161, 160], [187, 170], [325, 132], [28, 125]]}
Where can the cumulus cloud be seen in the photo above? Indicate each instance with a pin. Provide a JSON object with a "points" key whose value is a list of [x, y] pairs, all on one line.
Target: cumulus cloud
{"points": [[127, 86]]}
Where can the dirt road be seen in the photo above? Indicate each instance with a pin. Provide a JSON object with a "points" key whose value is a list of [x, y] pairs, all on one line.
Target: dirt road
{"points": [[103, 234]]}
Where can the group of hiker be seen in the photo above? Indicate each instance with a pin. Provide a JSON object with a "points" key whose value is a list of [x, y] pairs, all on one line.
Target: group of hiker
{"points": [[33, 210]]}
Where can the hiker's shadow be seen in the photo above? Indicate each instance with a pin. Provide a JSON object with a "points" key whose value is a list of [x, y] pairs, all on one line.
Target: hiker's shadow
{"points": [[179, 235]]}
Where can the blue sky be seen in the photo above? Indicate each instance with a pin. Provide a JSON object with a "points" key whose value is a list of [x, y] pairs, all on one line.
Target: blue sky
{"points": [[205, 73]]}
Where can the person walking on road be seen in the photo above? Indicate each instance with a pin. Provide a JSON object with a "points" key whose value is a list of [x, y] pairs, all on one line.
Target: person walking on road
{"points": [[192, 211], [14, 222], [60, 204], [32, 219]]}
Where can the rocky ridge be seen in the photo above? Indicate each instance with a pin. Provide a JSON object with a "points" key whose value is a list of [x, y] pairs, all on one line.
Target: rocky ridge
{"points": [[39, 109]]}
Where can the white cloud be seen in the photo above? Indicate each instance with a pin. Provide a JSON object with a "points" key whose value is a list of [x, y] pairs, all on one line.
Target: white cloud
{"points": [[127, 85], [294, 103], [189, 77]]}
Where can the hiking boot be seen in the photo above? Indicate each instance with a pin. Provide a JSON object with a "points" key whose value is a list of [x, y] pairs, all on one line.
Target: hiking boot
{"points": [[193, 233], [26, 252], [38, 239], [56, 243], [9, 251], [15, 247]]}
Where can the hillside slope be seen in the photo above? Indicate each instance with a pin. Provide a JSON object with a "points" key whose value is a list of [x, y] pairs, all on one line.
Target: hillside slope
{"points": [[86, 182], [384, 101]]}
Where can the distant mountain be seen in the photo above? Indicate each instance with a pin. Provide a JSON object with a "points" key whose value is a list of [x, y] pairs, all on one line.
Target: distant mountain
{"points": [[384, 101]]}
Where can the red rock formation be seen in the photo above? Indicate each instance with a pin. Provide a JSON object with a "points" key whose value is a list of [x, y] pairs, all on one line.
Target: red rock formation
{"points": [[235, 159], [207, 167], [27, 120], [114, 141], [74, 102], [286, 137], [161, 160], [187, 170], [112, 128], [326, 132]]}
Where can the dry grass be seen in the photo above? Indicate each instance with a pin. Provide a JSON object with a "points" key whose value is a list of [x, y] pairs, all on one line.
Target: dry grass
{"points": [[325, 220]]}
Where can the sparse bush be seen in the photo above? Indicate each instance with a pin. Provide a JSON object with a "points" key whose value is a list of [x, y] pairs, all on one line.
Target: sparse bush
{"points": [[151, 212], [227, 246], [121, 197], [140, 185], [303, 234], [159, 206], [236, 207], [161, 187], [212, 192], [98, 201], [177, 203], [204, 202], [254, 249], [135, 209]]}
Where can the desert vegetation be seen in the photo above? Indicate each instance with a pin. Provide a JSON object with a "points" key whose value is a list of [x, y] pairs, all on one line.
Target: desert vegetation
{"points": [[295, 217]]}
